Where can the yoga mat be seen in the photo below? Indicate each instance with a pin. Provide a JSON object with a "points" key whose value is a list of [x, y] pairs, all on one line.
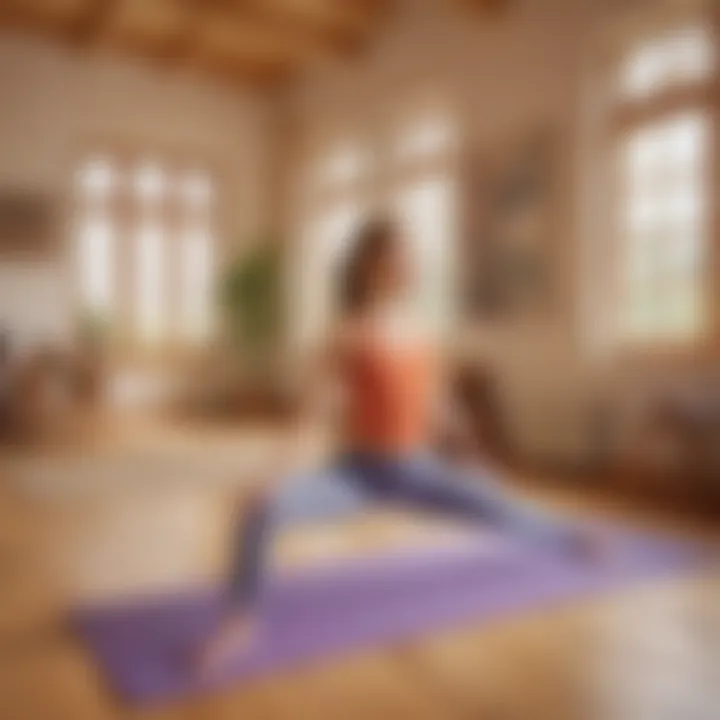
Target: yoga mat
{"points": [[144, 645]]}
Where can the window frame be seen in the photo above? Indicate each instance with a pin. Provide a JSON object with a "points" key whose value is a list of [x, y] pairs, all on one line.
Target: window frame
{"points": [[629, 114], [127, 344], [385, 174]]}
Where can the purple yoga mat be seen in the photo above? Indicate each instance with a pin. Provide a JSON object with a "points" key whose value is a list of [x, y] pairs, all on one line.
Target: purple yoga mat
{"points": [[144, 645]]}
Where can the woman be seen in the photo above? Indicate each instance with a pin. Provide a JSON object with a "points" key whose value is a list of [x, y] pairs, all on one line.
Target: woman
{"points": [[391, 378]]}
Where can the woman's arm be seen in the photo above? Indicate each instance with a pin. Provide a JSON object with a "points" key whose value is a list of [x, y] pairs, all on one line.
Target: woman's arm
{"points": [[452, 424], [454, 429]]}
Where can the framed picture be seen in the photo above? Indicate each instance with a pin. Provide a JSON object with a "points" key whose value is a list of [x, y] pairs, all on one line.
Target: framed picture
{"points": [[26, 224], [508, 254]]}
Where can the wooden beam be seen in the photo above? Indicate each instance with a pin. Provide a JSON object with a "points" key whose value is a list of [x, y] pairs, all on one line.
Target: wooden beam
{"points": [[243, 72], [39, 18], [90, 26], [238, 45], [191, 46], [341, 28], [8, 14], [295, 43], [183, 46], [486, 9], [275, 37]]}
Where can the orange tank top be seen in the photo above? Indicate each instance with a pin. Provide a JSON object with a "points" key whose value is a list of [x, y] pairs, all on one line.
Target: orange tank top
{"points": [[390, 397]]}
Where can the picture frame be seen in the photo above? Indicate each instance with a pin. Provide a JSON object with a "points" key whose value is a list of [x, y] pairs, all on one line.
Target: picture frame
{"points": [[27, 219], [511, 228]]}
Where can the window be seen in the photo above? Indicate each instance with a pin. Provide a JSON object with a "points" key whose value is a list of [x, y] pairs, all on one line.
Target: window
{"points": [[343, 166], [413, 181], [96, 255], [676, 59], [335, 207], [431, 137], [95, 239], [664, 233], [196, 284], [144, 246], [425, 209], [424, 202], [328, 237], [666, 228], [196, 257], [150, 280]]}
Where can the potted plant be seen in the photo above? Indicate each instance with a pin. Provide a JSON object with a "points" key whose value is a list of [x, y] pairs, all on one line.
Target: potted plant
{"points": [[251, 298], [92, 345]]}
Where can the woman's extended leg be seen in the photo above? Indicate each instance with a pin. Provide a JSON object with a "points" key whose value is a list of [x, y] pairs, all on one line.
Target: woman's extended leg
{"points": [[326, 494], [475, 494], [322, 495]]}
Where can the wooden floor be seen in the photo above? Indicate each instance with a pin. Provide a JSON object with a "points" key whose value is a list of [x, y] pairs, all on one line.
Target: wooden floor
{"points": [[652, 653]]}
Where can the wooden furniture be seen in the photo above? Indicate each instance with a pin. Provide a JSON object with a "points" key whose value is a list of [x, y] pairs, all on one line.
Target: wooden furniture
{"points": [[476, 394], [42, 390], [674, 453], [694, 427]]}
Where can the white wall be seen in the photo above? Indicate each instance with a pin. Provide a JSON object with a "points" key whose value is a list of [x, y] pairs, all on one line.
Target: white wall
{"points": [[55, 103], [501, 78], [543, 64]]}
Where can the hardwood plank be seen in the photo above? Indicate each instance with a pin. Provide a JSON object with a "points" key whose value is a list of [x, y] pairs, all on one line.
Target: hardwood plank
{"points": [[644, 654]]}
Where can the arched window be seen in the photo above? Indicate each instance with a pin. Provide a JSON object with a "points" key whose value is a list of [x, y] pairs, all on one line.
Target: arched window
{"points": [[145, 248], [664, 142]]}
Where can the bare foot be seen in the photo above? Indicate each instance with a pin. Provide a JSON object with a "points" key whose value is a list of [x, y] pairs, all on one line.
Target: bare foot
{"points": [[233, 637]]}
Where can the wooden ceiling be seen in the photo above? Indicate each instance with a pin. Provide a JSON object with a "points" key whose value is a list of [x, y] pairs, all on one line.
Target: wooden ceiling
{"points": [[260, 41]]}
